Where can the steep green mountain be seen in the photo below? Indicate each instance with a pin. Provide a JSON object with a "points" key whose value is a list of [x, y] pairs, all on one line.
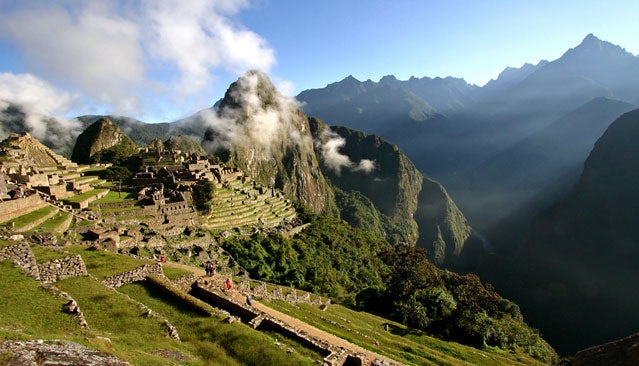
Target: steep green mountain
{"points": [[103, 141], [372, 168], [579, 259], [263, 133], [184, 143], [443, 229], [380, 189]]}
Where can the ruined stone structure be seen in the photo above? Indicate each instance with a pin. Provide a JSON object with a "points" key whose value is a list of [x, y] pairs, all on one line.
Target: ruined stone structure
{"points": [[23, 257], [59, 269], [138, 274]]}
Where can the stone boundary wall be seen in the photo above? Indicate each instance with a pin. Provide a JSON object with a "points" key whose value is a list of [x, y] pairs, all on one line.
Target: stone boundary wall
{"points": [[333, 355], [261, 291], [59, 269], [124, 204], [23, 257], [184, 282], [138, 274], [11, 209]]}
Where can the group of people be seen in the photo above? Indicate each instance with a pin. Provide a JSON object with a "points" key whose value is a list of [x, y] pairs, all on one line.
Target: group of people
{"points": [[209, 268], [228, 284]]}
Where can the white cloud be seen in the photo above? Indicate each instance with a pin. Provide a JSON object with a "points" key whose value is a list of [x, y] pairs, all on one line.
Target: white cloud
{"points": [[131, 54], [38, 100], [34, 94], [337, 161], [90, 48]]}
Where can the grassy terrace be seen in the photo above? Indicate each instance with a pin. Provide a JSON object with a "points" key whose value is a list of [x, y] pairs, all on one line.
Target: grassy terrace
{"points": [[215, 341], [33, 216], [83, 196], [115, 197], [400, 343], [43, 255], [31, 312], [54, 223], [103, 264]]}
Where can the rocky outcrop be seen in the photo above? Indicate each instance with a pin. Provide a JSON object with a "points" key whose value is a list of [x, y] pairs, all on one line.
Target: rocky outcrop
{"points": [[55, 353], [443, 229]]}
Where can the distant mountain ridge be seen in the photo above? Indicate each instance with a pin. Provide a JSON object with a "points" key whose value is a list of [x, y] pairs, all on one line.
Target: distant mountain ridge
{"points": [[454, 145]]}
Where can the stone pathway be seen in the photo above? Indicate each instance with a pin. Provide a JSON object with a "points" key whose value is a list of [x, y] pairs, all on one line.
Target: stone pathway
{"points": [[293, 322]]}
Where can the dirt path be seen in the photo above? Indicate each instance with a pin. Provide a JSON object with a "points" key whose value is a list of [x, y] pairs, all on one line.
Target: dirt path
{"points": [[293, 322]]}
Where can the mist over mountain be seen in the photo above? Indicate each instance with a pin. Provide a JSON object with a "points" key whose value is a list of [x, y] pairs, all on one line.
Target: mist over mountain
{"points": [[59, 134], [536, 171], [578, 263], [505, 153], [457, 146]]}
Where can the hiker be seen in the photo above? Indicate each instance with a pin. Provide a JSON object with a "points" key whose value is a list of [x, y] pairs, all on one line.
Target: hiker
{"points": [[249, 300], [208, 267], [229, 283], [162, 259]]}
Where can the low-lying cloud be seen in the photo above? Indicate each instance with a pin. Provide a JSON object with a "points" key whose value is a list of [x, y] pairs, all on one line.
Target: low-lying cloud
{"points": [[337, 161], [262, 118], [37, 100]]}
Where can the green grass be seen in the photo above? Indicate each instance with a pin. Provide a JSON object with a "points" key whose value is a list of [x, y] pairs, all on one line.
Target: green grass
{"points": [[28, 311], [399, 343], [114, 196], [43, 255], [212, 339], [54, 222], [24, 220], [119, 209], [83, 196], [103, 264], [173, 273], [115, 316]]}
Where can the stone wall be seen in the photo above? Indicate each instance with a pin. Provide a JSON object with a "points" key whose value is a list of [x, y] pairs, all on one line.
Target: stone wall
{"points": [[138, 274], [59, 269], [184, 282], [11, 209], [23, 257], [261, 291]]}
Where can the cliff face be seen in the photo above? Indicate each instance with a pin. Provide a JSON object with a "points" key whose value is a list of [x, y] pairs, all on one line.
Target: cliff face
{"points": [[443, 229], [102, 141], [365, 165], [263, 133], [362, 178]]}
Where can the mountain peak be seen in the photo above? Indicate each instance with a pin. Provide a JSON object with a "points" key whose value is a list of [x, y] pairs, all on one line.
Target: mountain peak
{"points": [[591, 41]]}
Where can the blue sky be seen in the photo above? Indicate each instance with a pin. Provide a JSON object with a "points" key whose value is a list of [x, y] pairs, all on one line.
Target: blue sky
{"points": [[165, 59]]}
